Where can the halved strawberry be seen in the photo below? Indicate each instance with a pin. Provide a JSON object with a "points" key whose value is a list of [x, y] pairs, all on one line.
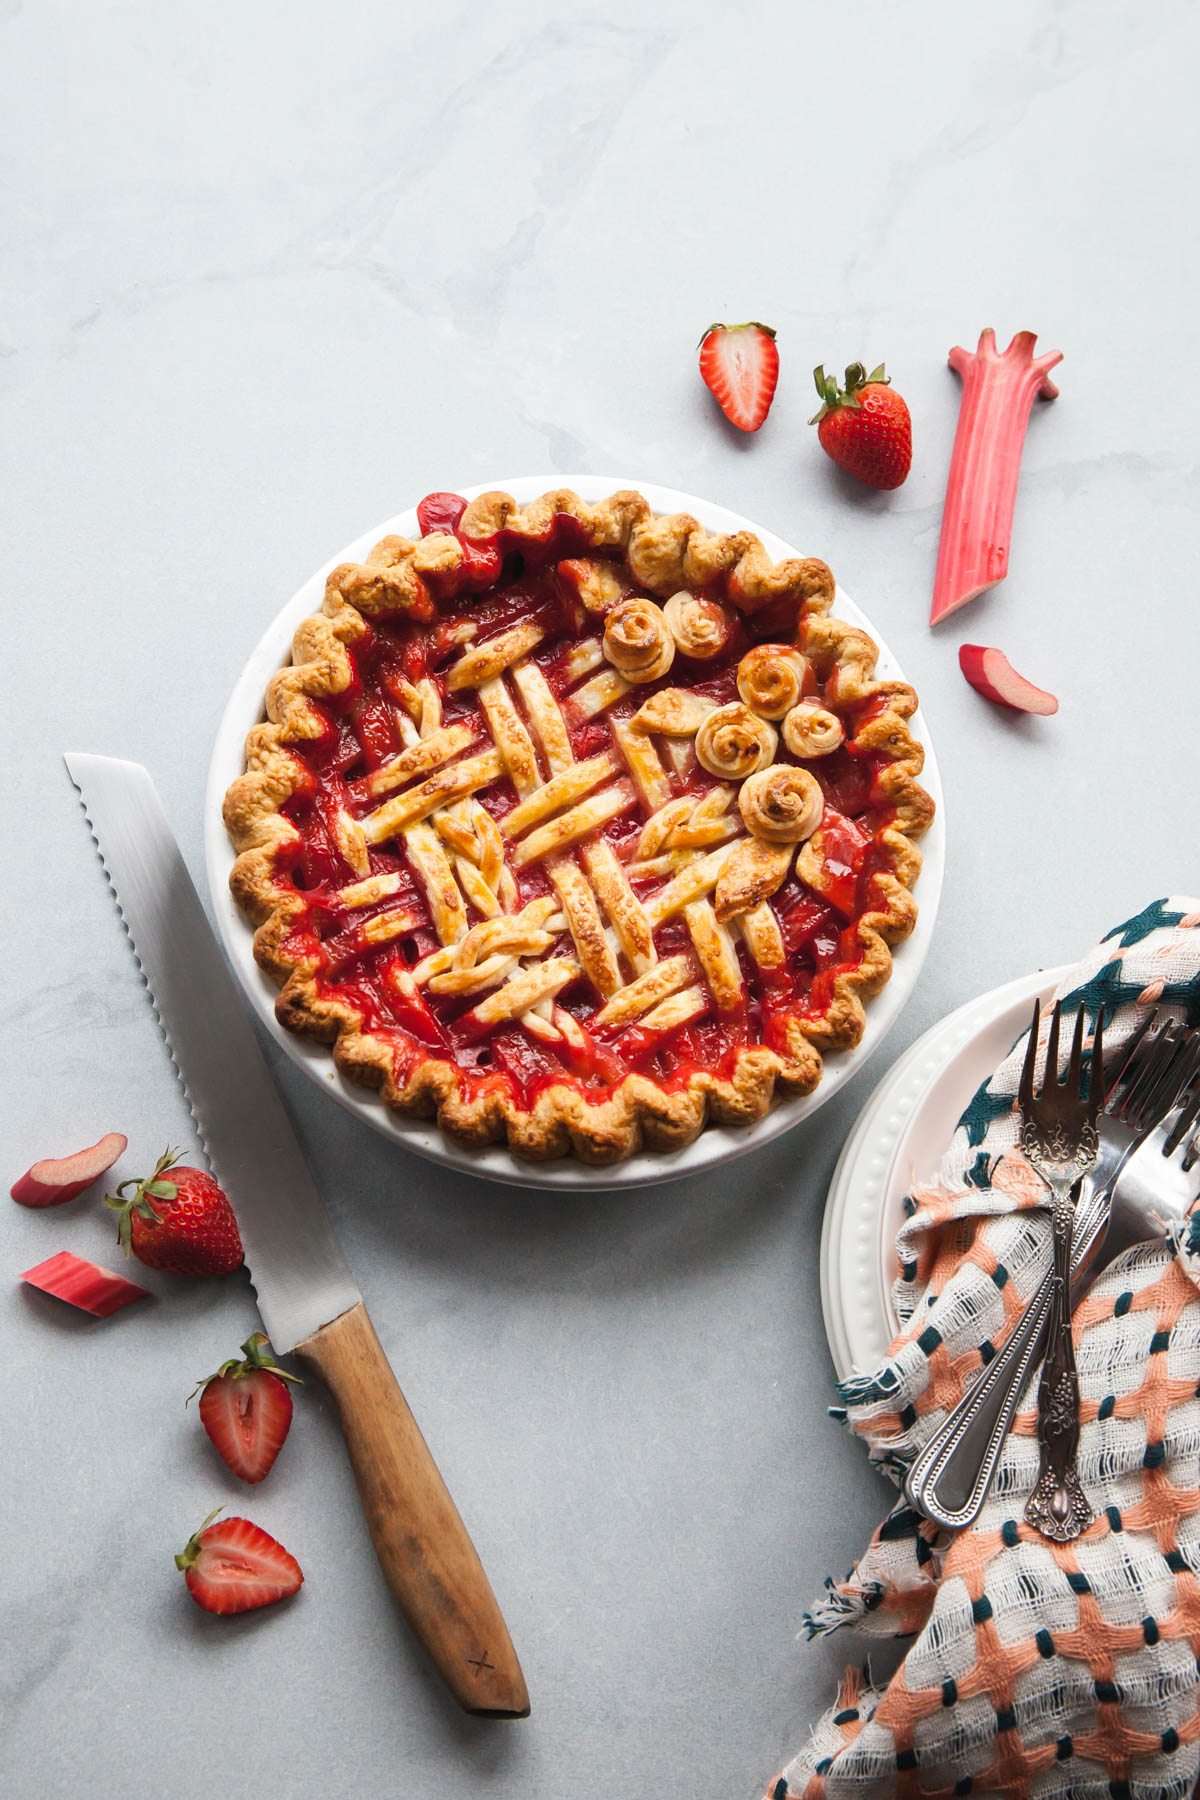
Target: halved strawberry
{"points": [[246, 1409], [740, 364], [58, 1178], [235, 1566]]}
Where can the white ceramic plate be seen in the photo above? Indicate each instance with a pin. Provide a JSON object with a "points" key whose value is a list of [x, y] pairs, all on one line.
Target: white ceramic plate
{"points": [[900, 1138], [715, 1145]]}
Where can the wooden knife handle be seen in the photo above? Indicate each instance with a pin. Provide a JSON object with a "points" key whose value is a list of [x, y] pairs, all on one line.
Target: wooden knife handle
{"points": [[431, 1565]]}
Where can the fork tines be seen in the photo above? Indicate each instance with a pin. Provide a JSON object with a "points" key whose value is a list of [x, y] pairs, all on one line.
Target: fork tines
{"points": [[1072, 1082], [1160, 1071], [1150, 1071], [1189, 1107]]}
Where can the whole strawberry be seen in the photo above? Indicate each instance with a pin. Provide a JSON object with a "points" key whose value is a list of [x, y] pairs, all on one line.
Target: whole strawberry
{"points": [[246, 1409], [183, 1224], [865, 426]]}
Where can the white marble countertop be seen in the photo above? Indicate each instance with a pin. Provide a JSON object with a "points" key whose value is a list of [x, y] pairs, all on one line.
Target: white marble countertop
{"points": [[272, 272]]}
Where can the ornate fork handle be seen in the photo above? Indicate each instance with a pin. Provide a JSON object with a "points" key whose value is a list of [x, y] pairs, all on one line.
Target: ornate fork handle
{"points": [[1058, 1506], [950, 1478]]}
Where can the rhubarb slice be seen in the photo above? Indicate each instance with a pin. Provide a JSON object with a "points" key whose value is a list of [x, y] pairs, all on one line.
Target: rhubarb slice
{"points": [[59, 1178], [997, 398], [84, 1284], [991, 674]]}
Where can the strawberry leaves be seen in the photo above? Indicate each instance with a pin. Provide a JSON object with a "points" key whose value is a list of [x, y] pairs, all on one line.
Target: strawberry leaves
{"points": [[144, 1191], [833, 397]]}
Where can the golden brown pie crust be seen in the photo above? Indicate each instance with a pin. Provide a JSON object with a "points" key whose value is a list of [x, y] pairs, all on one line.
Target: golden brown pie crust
{"points": [[664, 556]]}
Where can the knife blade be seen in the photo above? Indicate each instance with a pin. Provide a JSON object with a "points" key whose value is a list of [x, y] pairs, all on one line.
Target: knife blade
{"points": [[298, 1270], [307, 1296]]}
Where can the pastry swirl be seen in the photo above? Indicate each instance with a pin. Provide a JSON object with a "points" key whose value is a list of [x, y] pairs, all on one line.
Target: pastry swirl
{"points": [[733, 742], [637, 641], [782, 804], [771, 677], [811, 730], [700, 627]]}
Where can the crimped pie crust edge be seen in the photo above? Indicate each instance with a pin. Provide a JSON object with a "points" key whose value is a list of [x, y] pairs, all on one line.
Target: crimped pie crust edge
{"points": [[664, 553]]}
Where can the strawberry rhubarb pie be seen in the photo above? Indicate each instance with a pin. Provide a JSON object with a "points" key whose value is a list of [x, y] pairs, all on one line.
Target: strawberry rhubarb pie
{"points": [[578, 826]]}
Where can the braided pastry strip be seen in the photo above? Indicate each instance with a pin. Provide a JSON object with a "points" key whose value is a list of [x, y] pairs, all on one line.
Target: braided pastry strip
{"points": [[692, 822], [664, 555]]}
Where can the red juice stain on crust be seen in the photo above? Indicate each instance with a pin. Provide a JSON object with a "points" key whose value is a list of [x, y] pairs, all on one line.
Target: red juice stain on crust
{"points": [[844, 846]]}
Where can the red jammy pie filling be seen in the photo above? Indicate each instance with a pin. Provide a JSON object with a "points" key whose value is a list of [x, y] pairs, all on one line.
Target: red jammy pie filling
{"points": [[385, 907]]}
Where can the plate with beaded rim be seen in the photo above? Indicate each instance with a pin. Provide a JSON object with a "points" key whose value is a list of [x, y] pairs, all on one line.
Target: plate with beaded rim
{"points": [[899, 1139]]}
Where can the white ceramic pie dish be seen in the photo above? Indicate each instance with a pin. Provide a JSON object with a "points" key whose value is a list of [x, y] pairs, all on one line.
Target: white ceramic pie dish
{"points": [[716, 1144]]}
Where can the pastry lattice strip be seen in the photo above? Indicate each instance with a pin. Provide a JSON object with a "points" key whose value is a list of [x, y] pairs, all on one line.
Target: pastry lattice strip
{"points": [[457, 849], [544, 811]]}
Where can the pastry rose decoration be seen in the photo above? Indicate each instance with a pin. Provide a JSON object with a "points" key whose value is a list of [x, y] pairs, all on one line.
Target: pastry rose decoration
{"points": [[811, 730], [700, 627], [770, 678], [733, 742], [637, 640], [782, 804]]}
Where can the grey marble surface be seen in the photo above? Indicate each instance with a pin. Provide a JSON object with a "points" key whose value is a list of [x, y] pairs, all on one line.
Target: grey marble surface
{"points": [[270, 273]]}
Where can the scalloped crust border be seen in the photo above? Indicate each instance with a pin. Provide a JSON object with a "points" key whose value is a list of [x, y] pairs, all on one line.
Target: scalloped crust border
{"points": [[664, 553]]}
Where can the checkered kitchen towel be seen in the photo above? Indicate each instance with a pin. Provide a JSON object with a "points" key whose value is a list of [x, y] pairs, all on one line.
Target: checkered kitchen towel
{"points": [[1036, 1668]]}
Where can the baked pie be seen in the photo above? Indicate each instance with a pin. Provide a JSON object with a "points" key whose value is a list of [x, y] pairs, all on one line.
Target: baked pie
{"points": [[578, 826]]}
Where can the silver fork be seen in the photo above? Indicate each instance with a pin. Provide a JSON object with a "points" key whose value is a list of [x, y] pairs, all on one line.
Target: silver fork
{"points": [[1187, 1123], [1060, 1138], [950, 1479], [1159, 1188]]}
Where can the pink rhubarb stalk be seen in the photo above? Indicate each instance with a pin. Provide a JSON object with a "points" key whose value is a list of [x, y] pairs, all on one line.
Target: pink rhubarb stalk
{"points": [[59, 1178], [991, 674], [84, 1284], [997, 398]]}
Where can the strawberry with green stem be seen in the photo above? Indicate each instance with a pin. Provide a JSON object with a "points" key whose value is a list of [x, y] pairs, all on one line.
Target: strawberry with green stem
{"points": [[180, 1222], [246, 1409], [235, 1566], [865, 427]]}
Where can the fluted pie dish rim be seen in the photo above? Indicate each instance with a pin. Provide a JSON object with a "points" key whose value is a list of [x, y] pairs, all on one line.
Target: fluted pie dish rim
{"points": [[716, 1142]]}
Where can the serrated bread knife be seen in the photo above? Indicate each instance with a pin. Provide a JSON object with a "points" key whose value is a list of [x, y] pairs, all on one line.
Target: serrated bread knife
{"points": [[307, 1296]]}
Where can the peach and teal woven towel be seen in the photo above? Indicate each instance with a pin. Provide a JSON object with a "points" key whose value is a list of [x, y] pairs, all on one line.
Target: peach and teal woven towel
{"points": [[1034, 1669]]}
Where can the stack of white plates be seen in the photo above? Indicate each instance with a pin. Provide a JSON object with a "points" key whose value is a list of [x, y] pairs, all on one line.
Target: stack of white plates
{"points": [[900, 1138]]}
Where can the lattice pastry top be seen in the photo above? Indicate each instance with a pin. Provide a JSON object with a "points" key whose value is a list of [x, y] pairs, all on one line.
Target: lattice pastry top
{"points": [[577, 825]]}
